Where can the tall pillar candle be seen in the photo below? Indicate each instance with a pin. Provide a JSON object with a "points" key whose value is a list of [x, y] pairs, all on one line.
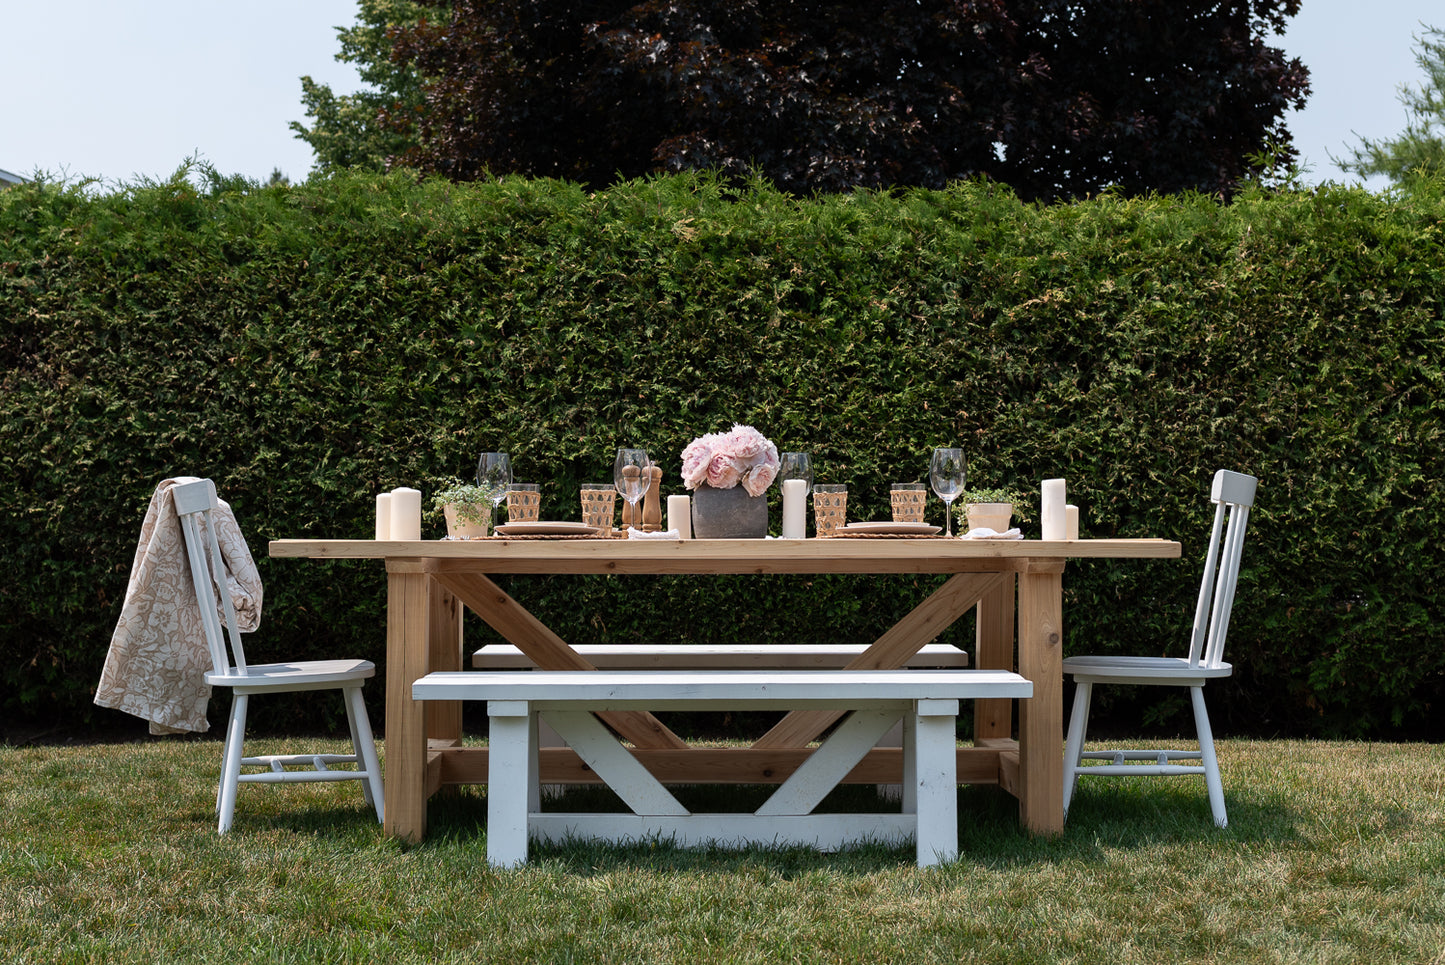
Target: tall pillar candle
{"points": [[383, 516], [405, 514], [679, 515], [1071, 522], [1054, 514], [795, 509]]}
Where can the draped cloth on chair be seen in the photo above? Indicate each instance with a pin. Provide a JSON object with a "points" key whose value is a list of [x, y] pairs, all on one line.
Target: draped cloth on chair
{"points": [[158, 660]]}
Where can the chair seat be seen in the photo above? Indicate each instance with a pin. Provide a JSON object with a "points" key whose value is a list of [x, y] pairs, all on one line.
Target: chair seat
{"points": [[1176, 671], [296, 675]]}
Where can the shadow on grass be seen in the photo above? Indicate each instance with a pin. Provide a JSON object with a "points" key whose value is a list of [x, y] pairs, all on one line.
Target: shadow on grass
{"points": [[1136, 814]]}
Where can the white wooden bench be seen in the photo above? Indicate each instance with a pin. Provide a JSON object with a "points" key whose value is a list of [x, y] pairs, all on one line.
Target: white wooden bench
{"points": [[729, 656], [925, 700], [504, 656]]}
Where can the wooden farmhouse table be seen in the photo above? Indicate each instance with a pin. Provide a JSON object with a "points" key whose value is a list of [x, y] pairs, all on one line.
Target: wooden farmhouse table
{"points": [[429, 581]]}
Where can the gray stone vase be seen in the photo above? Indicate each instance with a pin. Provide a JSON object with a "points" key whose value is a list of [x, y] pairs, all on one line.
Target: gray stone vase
{"points": [[728, 514]]}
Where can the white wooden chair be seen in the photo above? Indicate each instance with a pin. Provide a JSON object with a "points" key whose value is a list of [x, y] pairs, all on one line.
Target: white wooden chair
{"points": [[195, 502], [1233, 495]]}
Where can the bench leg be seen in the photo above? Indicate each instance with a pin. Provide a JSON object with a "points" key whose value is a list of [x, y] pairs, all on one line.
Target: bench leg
{"points": [[934, 782], [511, 780]]}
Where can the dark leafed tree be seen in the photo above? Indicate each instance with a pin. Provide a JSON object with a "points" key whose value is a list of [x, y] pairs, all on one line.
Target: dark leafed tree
{"points": [[1057, 99]]}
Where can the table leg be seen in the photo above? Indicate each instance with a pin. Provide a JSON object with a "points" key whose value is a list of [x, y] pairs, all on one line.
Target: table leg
{"points": [[408, 611], [1041, 717]]}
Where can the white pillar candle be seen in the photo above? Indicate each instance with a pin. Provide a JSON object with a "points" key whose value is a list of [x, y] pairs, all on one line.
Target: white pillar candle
{"points": [[383, 516], [1071, 522], [795, 509], [405, 514], [679, 515], [1054, 501]]}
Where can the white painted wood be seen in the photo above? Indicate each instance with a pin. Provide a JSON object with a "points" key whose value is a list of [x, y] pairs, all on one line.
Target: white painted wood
{"points": [[639, 790], [505, 656], [908, 792], [741, 689], [936, 783], [806, 787], [566, 699], [195, 501], [826, 832], [1233, 494], [507, 800]]}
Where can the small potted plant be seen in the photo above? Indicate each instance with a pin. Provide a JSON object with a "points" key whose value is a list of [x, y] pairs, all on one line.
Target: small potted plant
{"points": [[991, 508], [468, 510]]}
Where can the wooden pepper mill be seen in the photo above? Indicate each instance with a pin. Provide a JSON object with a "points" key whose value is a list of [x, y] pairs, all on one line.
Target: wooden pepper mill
{"points": [[628, 520], [652, 502]]}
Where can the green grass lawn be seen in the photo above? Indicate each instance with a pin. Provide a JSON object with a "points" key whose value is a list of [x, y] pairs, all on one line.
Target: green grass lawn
{"points": [[1335, 853]]}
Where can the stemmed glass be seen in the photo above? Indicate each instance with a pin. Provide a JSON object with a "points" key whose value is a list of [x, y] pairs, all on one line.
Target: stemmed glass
{"points": [[797, 465], [630, 474], [494, 474], [946, 473]]}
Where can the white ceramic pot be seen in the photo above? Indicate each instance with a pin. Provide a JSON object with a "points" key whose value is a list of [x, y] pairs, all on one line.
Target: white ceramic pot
{"points": [[457, 529], [995, 516]]}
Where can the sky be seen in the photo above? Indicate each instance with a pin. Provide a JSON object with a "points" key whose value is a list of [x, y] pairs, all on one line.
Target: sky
{"points": [[120, 90]]}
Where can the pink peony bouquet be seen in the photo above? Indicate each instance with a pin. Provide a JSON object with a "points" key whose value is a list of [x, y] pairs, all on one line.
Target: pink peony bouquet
{"points": [[724, 459]]}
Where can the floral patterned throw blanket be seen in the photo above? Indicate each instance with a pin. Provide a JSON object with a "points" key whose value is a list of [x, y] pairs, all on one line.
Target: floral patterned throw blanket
{"points": [[158, 660]]}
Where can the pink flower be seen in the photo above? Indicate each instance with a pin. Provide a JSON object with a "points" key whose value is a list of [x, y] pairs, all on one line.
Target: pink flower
{"points": [[759, 479], [723, 471], [695, 459], [745, 442], [725, 459]]}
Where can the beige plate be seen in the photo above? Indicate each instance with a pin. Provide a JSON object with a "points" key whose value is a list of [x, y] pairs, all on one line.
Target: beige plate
{"points": [[888, 529], [545, 528]]}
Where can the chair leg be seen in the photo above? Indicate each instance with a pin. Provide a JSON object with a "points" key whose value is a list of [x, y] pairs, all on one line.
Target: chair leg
{"points": [[1074, 745], [1208, 759], [346, 693], [363, 744], [231, 763]]}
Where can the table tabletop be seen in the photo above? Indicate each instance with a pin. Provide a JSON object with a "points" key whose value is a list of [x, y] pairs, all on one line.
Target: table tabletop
{"points": [[875, 554]]}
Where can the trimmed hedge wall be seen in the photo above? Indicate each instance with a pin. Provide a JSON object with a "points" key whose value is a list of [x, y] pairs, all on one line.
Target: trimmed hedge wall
{"points": [[309, 346]]}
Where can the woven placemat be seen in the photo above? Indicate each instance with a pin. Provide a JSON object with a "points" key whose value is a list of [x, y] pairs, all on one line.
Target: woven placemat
{"points": [[888, 536]]}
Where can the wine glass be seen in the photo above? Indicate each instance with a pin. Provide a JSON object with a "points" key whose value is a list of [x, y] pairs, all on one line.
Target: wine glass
{"points": [[797, 465], [494, 474], [946, 473], [631, 475]]}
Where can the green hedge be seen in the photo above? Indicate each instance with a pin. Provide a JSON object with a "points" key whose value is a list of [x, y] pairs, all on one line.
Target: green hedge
{"points": [[310, 346]]}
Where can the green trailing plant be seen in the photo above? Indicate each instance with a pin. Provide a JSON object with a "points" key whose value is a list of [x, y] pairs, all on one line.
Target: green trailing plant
{"points": [[473, 503], [998, 494]]}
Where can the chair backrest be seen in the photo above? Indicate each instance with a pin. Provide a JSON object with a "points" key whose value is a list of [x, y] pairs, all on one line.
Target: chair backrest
{"points": [[1233, 495], [196, 502]]}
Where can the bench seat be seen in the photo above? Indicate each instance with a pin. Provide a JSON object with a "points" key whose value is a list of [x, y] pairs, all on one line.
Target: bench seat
{"points": [[926, 701], [504, 656]]}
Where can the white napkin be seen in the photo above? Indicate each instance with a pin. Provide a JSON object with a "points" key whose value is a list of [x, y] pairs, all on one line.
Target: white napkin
{"points": [[635, 533], [983, 532]]}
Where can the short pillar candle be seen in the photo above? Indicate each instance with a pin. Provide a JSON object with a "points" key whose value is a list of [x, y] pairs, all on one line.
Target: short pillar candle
{"points": [[383, 516], [679, 515]]}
